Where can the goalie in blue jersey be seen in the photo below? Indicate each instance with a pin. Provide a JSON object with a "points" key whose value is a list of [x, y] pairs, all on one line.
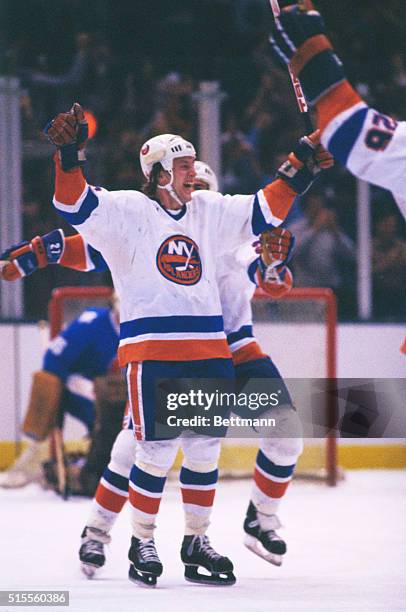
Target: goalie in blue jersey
{"points": [[83, 351]]}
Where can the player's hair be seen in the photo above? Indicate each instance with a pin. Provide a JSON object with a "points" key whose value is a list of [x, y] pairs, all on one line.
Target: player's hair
{"points": [[151, 186]]}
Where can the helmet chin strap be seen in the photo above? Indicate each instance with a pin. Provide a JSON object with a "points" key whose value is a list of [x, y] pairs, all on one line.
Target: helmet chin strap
{"points": [[169, 188]]}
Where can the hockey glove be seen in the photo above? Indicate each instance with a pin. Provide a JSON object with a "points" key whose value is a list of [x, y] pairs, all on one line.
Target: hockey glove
{"points": [[269, 271], [26, 258], [305, 162], [298, 39], [69, 132], [275, 247]]}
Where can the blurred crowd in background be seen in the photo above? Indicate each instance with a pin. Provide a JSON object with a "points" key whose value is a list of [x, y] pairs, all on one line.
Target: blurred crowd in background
{"points": [[136, 64]]}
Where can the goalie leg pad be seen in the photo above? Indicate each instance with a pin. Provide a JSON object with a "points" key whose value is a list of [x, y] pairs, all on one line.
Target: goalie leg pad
{"points": [[46, 392]]}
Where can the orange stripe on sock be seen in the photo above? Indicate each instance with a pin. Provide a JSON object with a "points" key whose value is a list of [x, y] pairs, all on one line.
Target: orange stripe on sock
{"points": [[149, 505], [74, 254], [69, 186], [313, 46], [280, 198], [173, 350], [335, 102], [269, 487], [198, 497], [109, 500]]}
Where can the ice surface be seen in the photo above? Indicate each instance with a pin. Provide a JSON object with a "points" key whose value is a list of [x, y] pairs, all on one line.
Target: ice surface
{"points": [[346, 551]]}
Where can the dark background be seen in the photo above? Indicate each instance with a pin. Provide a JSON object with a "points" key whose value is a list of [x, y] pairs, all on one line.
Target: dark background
{"points": [[135, 64]]}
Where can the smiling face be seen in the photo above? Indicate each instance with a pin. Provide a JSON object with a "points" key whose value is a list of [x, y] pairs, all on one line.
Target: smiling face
{"points": [[183, 179]]}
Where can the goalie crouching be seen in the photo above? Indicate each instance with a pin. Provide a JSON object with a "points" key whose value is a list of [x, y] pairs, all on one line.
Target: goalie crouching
{"points": [[82, 352]]}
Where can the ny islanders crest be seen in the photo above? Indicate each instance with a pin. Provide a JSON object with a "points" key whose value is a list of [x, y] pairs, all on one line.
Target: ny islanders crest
{"points": [[179, 261]]}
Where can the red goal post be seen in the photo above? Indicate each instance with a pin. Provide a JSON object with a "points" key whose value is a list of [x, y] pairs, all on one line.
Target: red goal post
{"points": [[60, 297]]}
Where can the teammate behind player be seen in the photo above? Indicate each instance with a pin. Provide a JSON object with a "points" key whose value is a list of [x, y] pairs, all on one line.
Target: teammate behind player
{"points": [[370, 144], [239, 272]]}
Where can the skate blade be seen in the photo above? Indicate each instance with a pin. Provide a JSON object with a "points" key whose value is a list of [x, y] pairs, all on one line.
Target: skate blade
{"points": [[256, 547], [89, 570], [142, 579], [215, 579]]}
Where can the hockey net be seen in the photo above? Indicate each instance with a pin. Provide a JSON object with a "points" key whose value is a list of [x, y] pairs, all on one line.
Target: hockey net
{"points": [[67, 303], [298, 332]]}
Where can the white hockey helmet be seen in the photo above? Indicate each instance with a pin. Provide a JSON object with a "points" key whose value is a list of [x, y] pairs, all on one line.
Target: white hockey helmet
{"points": [[164, 149], [205, 173]]}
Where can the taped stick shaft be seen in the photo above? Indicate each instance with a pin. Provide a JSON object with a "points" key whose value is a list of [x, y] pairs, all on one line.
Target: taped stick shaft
{"points": [[275, 8], [301, 101], [297, 88]]}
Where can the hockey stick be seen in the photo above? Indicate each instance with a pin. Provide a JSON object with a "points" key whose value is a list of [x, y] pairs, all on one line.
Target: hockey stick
{"points": [[56, 445], [185, 267], [297, 88], [59, 451]]}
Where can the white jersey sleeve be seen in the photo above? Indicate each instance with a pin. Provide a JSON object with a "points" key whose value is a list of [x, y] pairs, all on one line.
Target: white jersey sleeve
{"points": [[371, 145], [241, 218], [101, 215]]}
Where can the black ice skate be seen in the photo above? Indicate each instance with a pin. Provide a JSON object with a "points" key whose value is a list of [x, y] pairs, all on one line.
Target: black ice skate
{"points": [[145, 566], [197, 552], [91, 552], [264, 542]]}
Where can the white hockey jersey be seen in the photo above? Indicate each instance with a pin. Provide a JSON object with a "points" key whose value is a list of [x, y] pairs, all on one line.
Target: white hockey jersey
{"points": [[370, 144], [164, 266], [236, 291]]}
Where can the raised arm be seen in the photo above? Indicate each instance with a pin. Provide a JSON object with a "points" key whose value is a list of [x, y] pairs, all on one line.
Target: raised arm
{"points": [[245, 217], [72, 252], [370, 144]]}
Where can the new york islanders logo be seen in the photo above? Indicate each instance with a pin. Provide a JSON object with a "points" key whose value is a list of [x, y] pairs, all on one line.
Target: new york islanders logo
{"points": [[178, 260]]}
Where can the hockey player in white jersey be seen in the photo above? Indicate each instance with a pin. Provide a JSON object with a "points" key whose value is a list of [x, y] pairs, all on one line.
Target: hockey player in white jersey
{"points": [[370, 144], [161, 251], [74, 252], [113, 488], [238, 275]]}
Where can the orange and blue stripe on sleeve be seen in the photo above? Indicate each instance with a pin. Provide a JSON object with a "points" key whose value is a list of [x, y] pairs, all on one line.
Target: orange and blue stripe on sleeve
{"points": [[74, 254], [78, 255], [341, 117], [339, 99], [73, 199], [271, 205], [69, 186]]}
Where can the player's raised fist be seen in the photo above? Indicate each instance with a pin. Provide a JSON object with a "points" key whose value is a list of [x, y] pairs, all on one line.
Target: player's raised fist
{"points": [[298, 38], [305, 162], [62, 130], [69, 132], [321, 157]]}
